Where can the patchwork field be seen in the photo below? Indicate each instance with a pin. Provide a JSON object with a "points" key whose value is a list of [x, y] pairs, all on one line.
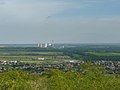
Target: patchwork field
{"points": [[32, 55]]}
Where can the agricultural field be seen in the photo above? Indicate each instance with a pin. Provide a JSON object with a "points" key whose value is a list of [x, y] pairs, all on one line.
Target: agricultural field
{"points": [[32, 55], [104, 53], [56, 55], [95, 52]]}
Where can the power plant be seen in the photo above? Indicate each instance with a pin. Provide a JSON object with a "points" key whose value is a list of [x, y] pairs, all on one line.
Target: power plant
{"points": [[45, 45]]}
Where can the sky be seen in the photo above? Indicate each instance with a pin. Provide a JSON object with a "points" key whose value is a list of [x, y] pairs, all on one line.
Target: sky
{"points": [[64, 21]]}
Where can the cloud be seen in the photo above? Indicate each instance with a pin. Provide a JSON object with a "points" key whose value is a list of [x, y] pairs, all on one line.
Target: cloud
{"points": [[37, 21], [38, 11]]}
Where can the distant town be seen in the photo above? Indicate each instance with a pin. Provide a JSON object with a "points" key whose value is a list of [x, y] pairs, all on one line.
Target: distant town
{"points": [[47, 56], [74, 65]]}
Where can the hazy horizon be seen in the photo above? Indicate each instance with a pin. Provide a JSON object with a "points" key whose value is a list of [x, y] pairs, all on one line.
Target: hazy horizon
{"points": [[64, 21]]}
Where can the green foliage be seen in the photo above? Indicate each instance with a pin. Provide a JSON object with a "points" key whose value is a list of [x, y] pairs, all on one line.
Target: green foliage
{"points": [[20, 80], [15, 80], [90, 77], [93, 78]]}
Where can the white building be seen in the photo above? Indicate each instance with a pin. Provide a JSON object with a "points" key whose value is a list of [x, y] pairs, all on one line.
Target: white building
{"points": [[42, 45], [41, 58]]}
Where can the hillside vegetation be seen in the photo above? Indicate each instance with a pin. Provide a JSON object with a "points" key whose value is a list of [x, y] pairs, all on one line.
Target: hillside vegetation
{"points": [[90, 77]]}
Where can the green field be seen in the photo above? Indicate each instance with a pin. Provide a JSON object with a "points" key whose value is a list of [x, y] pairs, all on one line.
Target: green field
{"points": [[104, 53], [31, 55]]}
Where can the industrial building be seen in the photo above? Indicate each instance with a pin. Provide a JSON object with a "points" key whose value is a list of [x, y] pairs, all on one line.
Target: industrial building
{"points": [[45, 45]]}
